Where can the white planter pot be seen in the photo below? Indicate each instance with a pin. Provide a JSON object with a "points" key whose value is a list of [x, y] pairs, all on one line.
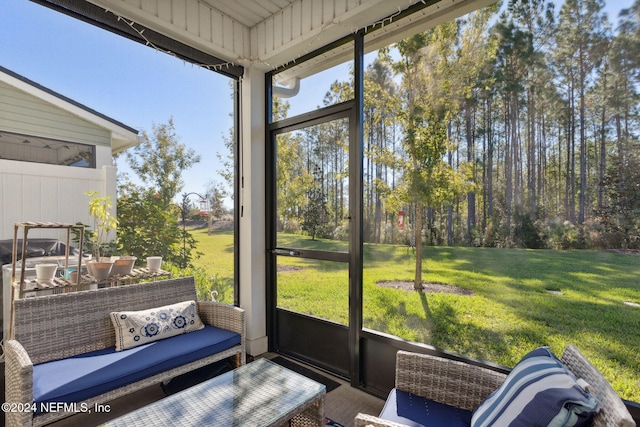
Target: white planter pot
{"points": [[154, 263], [46, 271]]}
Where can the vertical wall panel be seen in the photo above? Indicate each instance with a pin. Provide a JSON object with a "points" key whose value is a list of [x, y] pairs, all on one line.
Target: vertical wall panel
{"points": [[246, 42], [260, 29], [192, 18], [48, 197], [150, 6], [269, 24], [164, 11], [328, 12], [227, 34], [307, 25], [352, 4], [12, 197], [286, 25], [216, 27], [192, 22], [204, 15], [239, 38], [179, 14], [277, 29], [316, 15], [65, 197], [296, 20], [32, 200], [30, 192], [340, 7], [3, 200]]}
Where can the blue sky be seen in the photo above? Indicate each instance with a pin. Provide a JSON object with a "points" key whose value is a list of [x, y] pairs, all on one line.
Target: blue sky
{"points": [[133, 83], [122, 79]]}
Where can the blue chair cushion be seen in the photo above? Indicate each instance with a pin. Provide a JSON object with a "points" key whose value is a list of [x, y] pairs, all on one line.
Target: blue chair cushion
{"points": [[90, 374], [415, 411]]}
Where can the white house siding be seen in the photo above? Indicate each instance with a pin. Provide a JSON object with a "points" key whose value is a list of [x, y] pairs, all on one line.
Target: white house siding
{"points": [[49, 193], [44, 192], [21, 112]]}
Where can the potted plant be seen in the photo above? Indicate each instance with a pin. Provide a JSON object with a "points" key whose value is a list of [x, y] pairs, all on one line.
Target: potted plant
{"points": [[103, 222]]}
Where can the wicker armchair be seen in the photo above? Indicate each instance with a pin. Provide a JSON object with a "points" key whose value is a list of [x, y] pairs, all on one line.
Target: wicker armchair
{"points": [[466, 386]]}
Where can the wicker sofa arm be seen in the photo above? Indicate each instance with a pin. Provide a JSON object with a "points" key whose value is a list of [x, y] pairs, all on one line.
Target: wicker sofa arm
{"points": [[19, 382], [444, 380], [227, 317], [612, 410], [222, 315], [365, 420]]}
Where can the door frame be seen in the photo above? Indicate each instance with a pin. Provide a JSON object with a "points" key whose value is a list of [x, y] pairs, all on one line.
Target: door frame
{"points": [[349, 367]]}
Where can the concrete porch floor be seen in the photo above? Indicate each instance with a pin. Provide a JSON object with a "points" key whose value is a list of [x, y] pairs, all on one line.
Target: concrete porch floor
{"points": [[341, 405]]}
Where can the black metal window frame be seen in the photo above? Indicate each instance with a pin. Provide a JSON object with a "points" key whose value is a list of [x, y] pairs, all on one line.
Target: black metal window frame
{"points": [[84, 158]]}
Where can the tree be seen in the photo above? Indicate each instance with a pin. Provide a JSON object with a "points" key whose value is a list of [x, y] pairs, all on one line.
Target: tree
{"points": [[380, 119], [621, 216], [473, 54], [160, 160], [515, 49], [625, 75], [147, 214], [315, 214], [429, 180], [147, 227], [580, 36], [215, 195]]}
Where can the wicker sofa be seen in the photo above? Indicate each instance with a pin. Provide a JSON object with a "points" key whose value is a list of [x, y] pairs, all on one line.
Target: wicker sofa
{"points": [[62, 327], [465, 386]]}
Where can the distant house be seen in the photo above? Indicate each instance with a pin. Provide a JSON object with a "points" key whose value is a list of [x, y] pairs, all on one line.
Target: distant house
{"points": [[52, 151]]}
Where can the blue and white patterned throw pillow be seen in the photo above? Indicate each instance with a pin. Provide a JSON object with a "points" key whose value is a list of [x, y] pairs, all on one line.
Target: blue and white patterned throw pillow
{"points": [[134, 328], [539, 391]]}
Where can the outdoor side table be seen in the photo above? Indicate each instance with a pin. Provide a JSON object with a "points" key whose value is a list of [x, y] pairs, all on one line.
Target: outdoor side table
{"points": [[260, 393]]}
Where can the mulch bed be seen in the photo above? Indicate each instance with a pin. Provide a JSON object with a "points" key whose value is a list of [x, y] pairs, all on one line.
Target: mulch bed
{"points": [[288, 268], [430, 287]]}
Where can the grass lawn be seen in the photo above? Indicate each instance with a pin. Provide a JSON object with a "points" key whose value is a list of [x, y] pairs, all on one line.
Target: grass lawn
{"points": [[520, 299], [216, 262]]}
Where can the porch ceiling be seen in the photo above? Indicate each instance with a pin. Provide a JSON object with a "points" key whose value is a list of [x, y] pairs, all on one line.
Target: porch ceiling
{"points": [[271, 33]]}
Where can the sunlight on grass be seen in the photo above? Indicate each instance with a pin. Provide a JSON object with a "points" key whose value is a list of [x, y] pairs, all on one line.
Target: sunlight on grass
{"points": [[510, 312], [216, 262]]}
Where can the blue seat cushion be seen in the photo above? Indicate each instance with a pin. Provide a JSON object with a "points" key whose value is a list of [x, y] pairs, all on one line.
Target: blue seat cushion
{"points": [[415, 411], [81, 377]]}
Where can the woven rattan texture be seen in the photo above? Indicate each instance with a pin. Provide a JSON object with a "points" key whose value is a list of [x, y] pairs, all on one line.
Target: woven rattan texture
{"points": [[466, 386], [57, 326], [446, 381], [612, 411]]}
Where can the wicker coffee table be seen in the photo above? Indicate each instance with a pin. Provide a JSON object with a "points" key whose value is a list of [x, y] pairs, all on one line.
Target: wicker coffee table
{"points": [[260, 393]]}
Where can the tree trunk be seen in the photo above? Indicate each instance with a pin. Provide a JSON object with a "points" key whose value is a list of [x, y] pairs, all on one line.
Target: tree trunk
{"points": [[417, 284], [531, 157], [471, 196], [583, 146]]}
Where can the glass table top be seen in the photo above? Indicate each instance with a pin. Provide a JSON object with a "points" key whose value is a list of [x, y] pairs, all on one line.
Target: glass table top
{"points": [[257, 394]]}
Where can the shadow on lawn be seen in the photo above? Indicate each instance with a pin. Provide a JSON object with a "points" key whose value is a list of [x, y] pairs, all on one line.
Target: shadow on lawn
{"points": [[449, 332]]}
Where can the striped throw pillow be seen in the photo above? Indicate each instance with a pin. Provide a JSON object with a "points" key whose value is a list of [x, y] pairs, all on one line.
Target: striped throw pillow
{"points": [[539, 391]]}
